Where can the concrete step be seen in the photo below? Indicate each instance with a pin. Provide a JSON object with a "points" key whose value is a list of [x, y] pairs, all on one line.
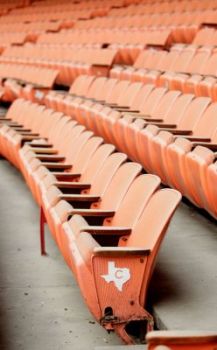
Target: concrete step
{"points": [[184, 285]]}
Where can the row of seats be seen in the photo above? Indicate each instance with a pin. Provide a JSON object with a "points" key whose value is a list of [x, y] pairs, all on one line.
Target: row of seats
{"points": [[70, 48], [69, 17], [70, 62], [85, 190], [40, 77], [5, 7], [25, 81], [128, 43], [172, 18], [206, 36], [171, 134], [125, 36], [190, 69], [7, 39], [29, 27], [142, 7], [160, 20], [40, 7], [14, 28], [19, 33]]}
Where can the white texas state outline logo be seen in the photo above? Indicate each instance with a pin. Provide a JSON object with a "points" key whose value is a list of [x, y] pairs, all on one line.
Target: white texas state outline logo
{"points": [[117, 275]]}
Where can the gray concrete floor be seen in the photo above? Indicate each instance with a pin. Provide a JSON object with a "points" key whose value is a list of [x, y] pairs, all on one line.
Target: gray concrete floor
{"points": [[184, 285], [40, 303]]}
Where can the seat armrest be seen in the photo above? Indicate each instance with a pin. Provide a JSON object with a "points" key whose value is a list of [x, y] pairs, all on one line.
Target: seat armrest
{"points": [[43, 150], [112, 105], [198, 138], [165, 126], [146, 117], [126, 112], [28, 133], [108, 230], [44, 145], [138, 115], [121, 109], [51, 165], [211, 146], [67, 176], [30, 137], [179, 132], [153, 120], [12, 124], [79, 197], [52, 157], [127, 108], [5, 119], [120, 251], [76, 185], [21, 129], [93, 213]]}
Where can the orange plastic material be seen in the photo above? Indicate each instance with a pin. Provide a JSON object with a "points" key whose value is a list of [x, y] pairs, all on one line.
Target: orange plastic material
{"points": [[97, 179], [111, 109], [141, 121], [181, 340], [209, 188], [41, 77], [113, 270], [69, 62], [178, 152], [189, 121], [125, 211], [76, 139], [190, 69], [157, 109], [141, 76]]}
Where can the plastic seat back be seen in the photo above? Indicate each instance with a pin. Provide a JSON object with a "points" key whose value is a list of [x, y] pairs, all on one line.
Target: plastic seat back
{"points": [[81, 85], [74, 148], [99, 157], [194, 112], [154, 220], [165, 104], [141, 96], [106, 173], [86, 154], [210, 67], [127, 98], [206, 126], [134, 201], [199, 60], [96, 87], [183, 59], [179, 108], [119, 185], [118, 90], [152, 101]]}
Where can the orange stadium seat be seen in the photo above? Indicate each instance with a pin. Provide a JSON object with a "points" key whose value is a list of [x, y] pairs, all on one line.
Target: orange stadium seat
{"points": [[106, 104], [172, 340]]}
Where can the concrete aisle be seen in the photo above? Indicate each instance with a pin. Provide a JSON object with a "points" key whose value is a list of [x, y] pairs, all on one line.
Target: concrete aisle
{"points": [[184, 284], [40, 303]]}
